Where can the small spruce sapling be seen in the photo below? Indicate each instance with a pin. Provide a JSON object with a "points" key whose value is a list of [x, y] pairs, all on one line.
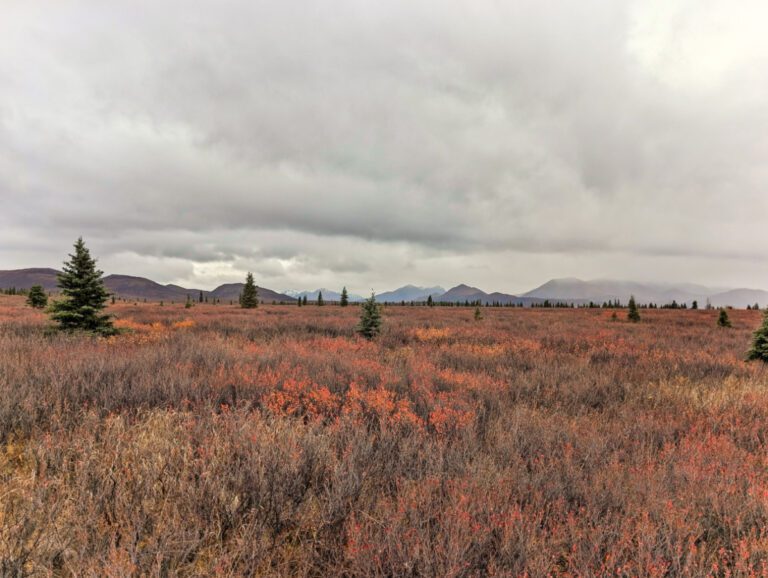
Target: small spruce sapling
{"points": [[37, 299], [633, 315], [370, 318]]}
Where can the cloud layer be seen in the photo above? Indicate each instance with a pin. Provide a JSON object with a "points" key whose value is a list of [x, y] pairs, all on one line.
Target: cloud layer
{"points": [[374, 144]]}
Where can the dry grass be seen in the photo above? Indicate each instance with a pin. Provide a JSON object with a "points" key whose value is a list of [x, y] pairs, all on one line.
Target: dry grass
{"points": [[216, 441]]}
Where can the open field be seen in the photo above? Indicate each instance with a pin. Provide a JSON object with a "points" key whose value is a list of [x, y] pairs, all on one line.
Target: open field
{"points": [[218, 441]]}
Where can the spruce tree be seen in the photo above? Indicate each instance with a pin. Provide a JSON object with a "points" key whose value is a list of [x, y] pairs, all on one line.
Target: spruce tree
{"points": [[370, 318], [304, 300], [250, 296], [722, 320], [37, 298], [633, 315], [320, 301], [478, 314], [344, 300], [430, 301], [84, 295], [759, 348]]}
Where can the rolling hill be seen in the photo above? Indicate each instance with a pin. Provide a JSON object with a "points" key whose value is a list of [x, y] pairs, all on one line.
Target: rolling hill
{"points": [[410, 293], [463, 293], [26, 278], [231, 292], [740, 298]]}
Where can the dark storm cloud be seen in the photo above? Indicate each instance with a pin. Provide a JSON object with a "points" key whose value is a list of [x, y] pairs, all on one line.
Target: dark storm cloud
{"points": [[370, 140]]}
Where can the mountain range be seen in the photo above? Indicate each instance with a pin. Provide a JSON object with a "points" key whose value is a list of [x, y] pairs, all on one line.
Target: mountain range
{"points": [[576, 290], [130, 287], [568, 290]]}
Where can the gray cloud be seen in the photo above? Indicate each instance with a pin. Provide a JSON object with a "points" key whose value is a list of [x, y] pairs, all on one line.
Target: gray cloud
{"points": [[378, 144]]}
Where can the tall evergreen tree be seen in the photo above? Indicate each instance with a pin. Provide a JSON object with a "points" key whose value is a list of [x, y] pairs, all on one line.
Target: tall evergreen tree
{"points": [[304, 300], [84, 295], [430, 301], [37, 297], [250, 296], [633, 315], [344, 300], [320, 301], [370, 318], [722, 319], [759, 349]]}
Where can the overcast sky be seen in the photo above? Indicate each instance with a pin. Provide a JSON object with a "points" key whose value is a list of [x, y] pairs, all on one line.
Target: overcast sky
{"points": [[373, 144]]}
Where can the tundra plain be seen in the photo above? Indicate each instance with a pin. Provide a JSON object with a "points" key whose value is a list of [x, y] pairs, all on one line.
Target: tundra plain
{"points": [[216, 441]]}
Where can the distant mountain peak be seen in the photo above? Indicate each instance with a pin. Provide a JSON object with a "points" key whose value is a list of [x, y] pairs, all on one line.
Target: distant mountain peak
{"points": [[410, 293]]}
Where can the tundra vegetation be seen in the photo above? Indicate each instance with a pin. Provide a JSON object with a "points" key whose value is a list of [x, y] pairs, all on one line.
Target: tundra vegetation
{"points": [[220, 441]]}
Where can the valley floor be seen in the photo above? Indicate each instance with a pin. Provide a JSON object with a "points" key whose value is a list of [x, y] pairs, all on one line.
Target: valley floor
{"points": [[276, 442]]}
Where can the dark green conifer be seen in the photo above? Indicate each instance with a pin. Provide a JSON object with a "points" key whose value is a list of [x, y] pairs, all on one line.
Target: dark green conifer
{"points": [[320, 301], [633, 315], [37, 298], [759, 349], [722, 319], [370, 318], [344, 300], [250, 296], [84, 295]]}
